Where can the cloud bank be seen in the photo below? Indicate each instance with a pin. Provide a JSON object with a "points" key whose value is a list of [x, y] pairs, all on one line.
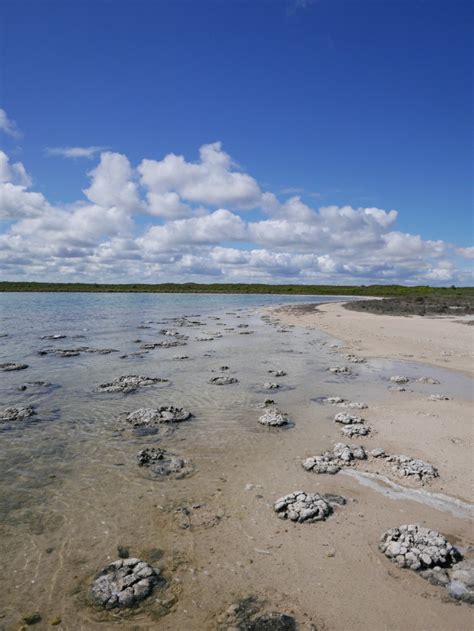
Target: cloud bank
{"points": [[170, 219]]}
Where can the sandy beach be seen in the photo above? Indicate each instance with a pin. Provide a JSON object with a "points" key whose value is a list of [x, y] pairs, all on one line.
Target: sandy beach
{"points": [[445, 341]]}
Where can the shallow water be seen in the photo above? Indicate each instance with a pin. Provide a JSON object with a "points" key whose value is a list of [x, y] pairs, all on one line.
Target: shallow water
{"points": [[70, 490]]}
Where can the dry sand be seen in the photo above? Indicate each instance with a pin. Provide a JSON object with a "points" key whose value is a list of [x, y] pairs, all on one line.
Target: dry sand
{"points": [[440, 341]]}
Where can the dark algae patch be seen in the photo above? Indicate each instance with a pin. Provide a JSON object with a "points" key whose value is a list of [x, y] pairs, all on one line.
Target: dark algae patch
{"points": [[457, 302]]}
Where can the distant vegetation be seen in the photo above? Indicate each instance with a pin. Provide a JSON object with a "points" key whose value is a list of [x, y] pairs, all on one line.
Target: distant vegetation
{"points": [[243, 288]]}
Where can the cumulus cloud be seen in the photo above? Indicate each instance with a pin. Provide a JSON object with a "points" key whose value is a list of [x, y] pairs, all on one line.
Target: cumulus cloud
{"points": [[170, 220], [8, 126], [468, 253], [74, 152], [112, 183], [213, 180]]}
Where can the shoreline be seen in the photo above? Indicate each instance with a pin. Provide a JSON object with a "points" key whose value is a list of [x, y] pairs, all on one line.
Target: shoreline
{"points": [[439, 341], [69, 526], [406, 422]]}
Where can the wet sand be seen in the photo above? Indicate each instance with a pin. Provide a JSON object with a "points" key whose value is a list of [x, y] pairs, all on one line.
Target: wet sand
{"points": [[72, 492]]}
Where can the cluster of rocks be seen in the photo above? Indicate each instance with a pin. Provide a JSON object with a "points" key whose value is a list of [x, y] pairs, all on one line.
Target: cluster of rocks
{"points": [[9, 366], [354, 359], [273, 418], [306, 507], [399, 379], [162, 462], [28, 385], [172, 333], [356, 429], [438, 397], [428, 380], [247, 615], [278, 373], [343, 455], [74, 352], [347, 419], [355, 405], [222, 381], [413, 467], [340, 370], [353, 425], [13, 414], [271, 385], [333, 461], [417, 547], [124, 583], [149, 346], [129, 383], [149, 417]]}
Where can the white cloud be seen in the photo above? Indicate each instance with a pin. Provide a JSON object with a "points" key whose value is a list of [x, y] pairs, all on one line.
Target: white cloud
{"points": [[8, 126], [468, 253], [74, 152], [159, 222], [112, 183], [14, 173], [212, 180], [221, 225]]}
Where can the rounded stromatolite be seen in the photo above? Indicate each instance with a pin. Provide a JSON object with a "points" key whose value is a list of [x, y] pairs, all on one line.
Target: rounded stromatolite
{"points": [[124, 583]]}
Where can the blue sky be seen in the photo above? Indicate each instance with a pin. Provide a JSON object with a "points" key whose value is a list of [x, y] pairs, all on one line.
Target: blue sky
{"points": [[343, 103]]}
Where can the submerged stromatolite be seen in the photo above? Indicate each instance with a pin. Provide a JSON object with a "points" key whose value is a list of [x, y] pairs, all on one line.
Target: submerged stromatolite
{"points": [[129, 383], [124, 583]]}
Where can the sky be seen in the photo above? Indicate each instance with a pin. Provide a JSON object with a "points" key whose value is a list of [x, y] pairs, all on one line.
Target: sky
{"points": [[302, 141]]}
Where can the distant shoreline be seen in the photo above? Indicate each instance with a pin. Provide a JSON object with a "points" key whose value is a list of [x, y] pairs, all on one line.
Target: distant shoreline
{"points": [[238, 288]]}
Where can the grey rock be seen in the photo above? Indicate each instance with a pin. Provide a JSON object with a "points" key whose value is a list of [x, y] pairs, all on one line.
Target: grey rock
{"points": [[406, 466], [303, 507], [129, 383], [334, 400], [356, 429], [355, 405], [269, 385], [428, 380], [438, 397], [277, 373], [340, 370], [347, 419], [149, 417], [399, 379], [333, 461], [14, 414], [354, 359], [161, 463], [418, 548], [273, 418], [378, 452], [121, 585], [9, 366], [461, 585], [223, 381]]}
